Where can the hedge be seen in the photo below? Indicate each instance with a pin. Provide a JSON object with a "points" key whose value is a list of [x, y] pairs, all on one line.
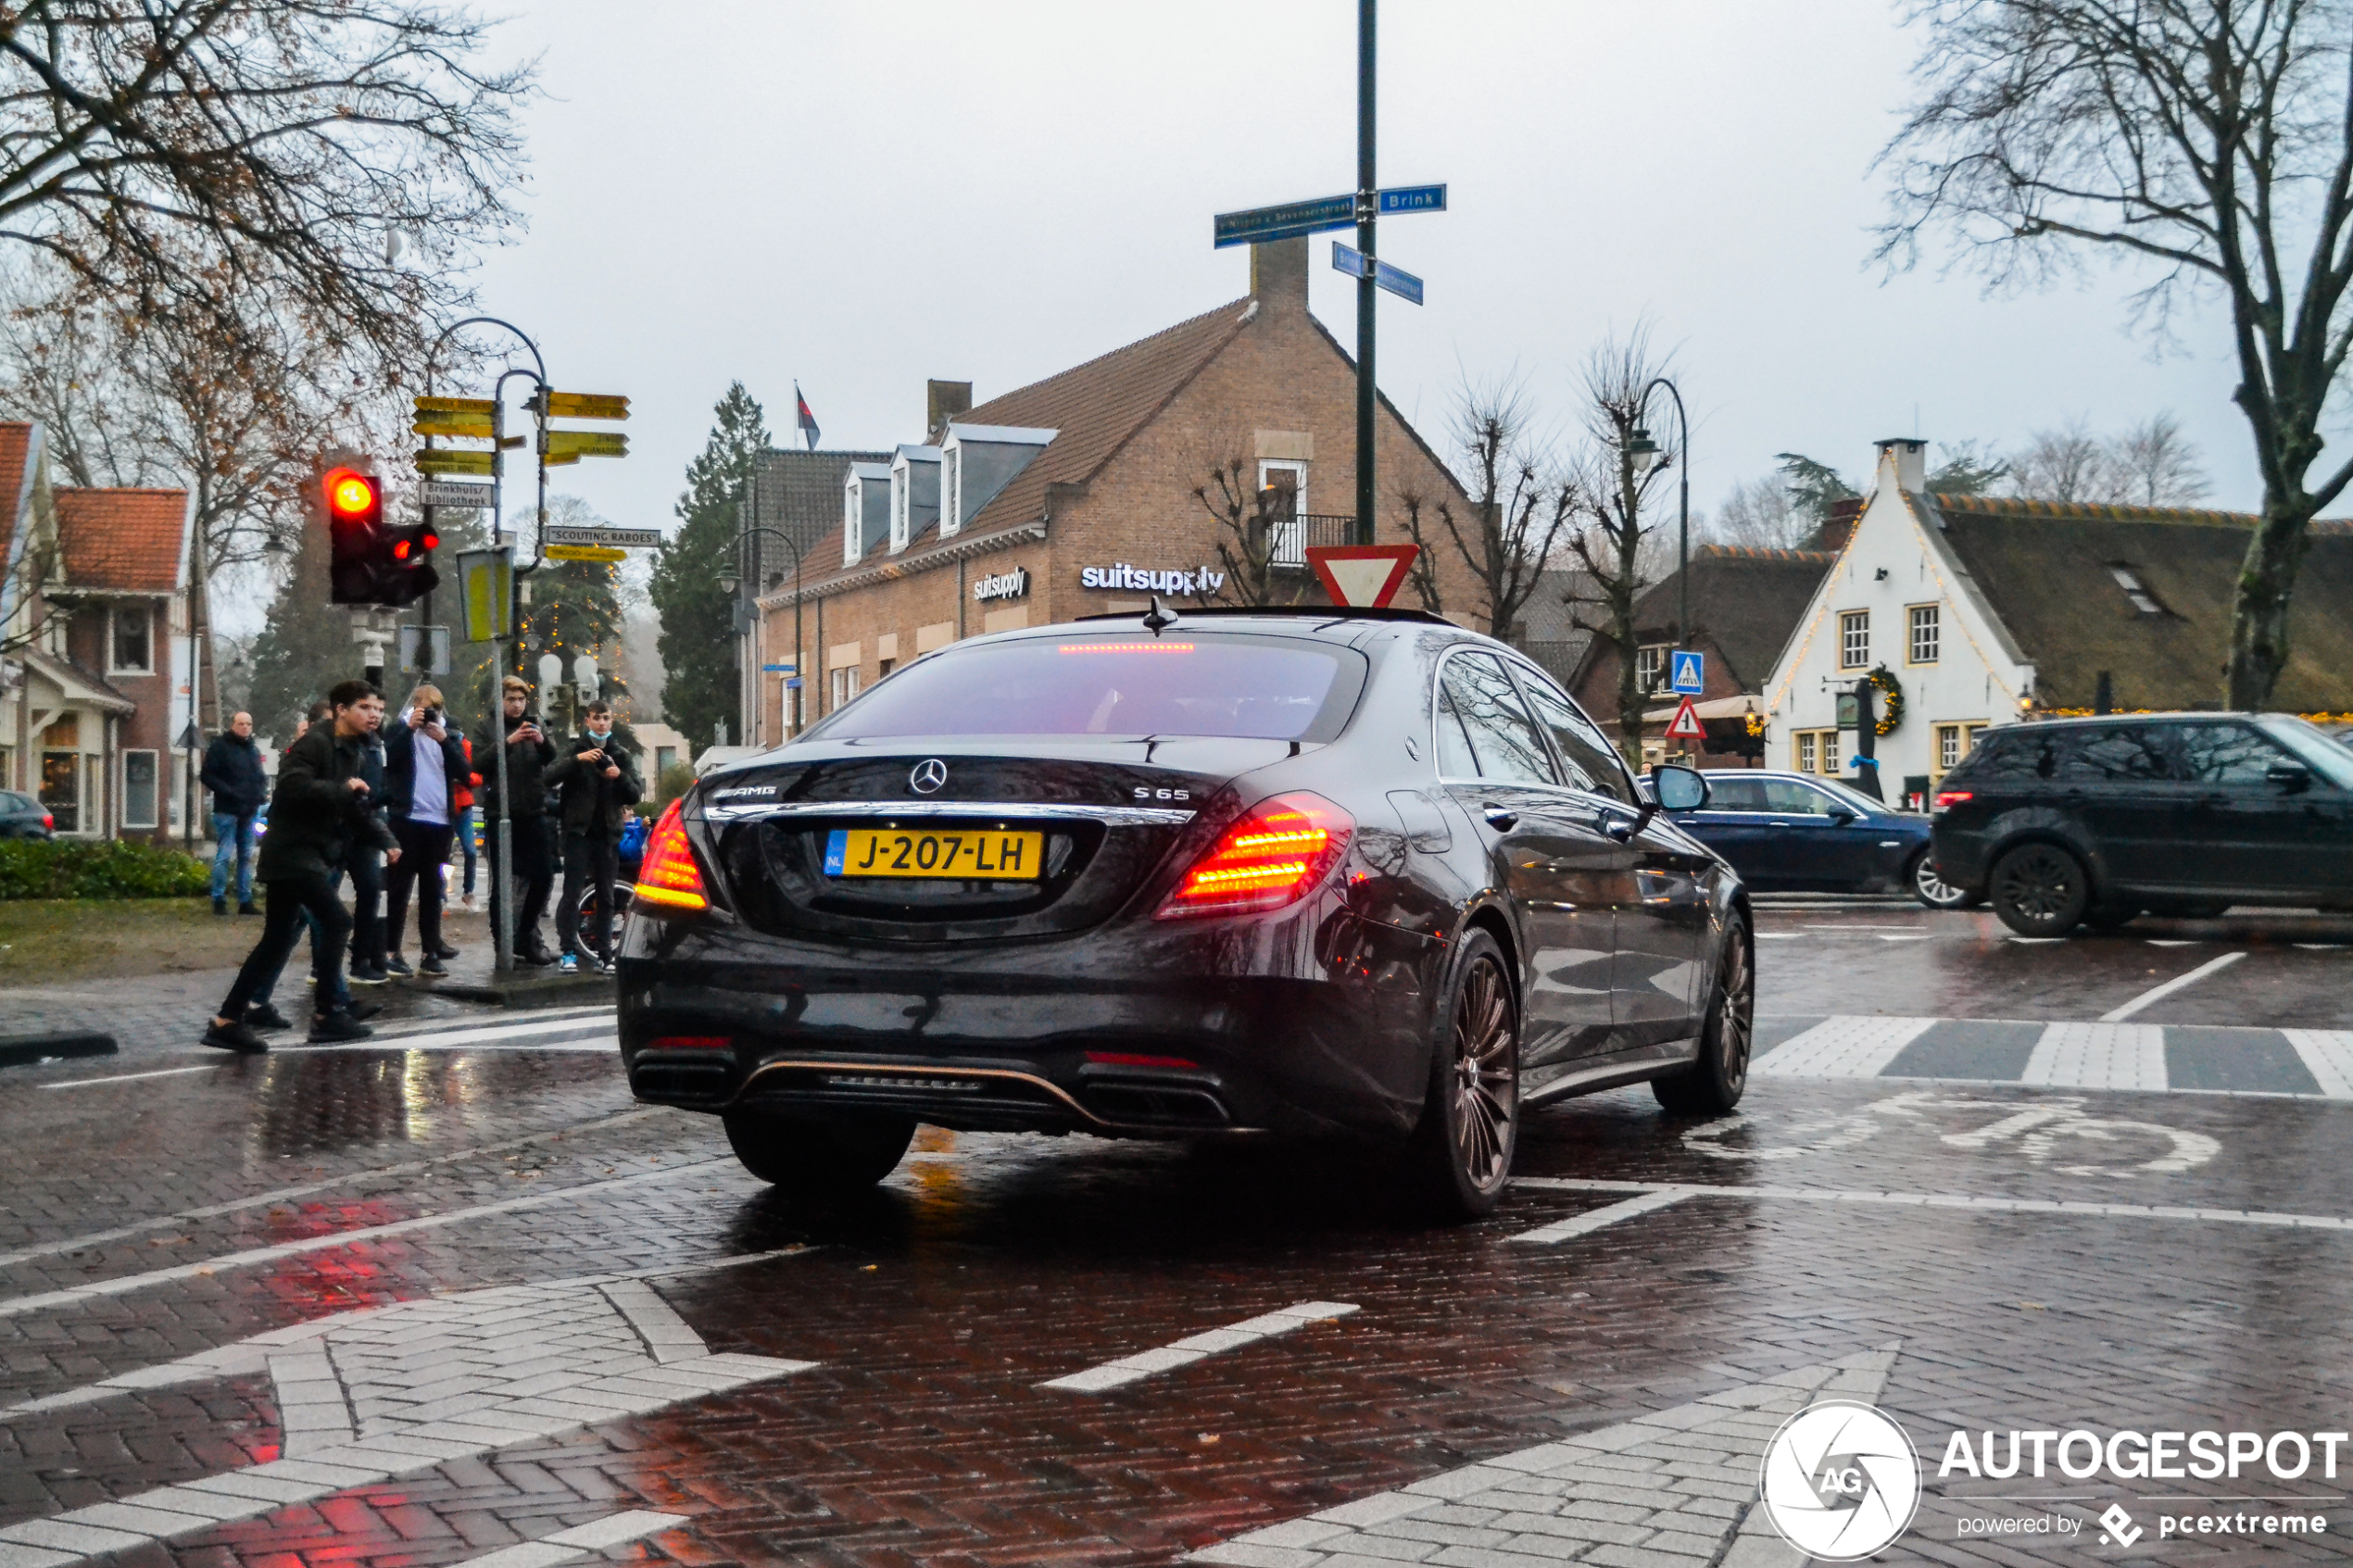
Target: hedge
{"points": [[65, 867]]}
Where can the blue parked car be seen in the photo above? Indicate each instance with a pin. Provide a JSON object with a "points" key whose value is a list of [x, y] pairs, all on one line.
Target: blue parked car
{"points": [[1792, 833]]}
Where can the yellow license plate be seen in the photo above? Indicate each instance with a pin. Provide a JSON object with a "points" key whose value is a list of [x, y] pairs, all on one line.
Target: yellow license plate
{"points": [[967, 853]]}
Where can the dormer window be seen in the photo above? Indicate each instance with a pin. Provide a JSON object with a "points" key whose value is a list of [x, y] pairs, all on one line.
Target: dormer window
{"points": [[133, 644], [2126, 579]]}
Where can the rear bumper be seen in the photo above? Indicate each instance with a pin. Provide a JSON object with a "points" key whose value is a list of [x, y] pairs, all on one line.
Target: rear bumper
{"points": [[1314, 1023]]}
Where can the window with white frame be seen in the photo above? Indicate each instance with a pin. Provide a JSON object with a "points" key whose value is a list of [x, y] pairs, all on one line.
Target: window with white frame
{"points": [[951, 485], [1810, 750], [853, 523], [139, 778], [1854, 639], [1282, 487], [1948, 747], [1927, 634], [1650, 667], [845, 684], [131, 647], [1830, 752]]}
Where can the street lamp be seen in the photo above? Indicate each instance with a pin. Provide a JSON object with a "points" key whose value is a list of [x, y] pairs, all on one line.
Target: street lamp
{"points": [[1646, 455], [730, 580]]}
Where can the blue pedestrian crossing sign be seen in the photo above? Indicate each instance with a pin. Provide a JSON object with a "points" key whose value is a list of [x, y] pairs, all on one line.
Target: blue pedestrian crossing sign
{"points": [[1689, 670]]}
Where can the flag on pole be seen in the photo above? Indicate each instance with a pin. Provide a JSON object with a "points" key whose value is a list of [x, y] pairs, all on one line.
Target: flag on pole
{"points": [[805, 418]]}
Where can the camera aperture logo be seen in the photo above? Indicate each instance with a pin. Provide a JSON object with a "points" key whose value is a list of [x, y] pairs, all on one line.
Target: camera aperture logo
{"points": [[1839, 1480]]}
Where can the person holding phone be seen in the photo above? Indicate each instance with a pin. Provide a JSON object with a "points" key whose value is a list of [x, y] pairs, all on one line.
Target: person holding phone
{"points": [[424, 769], [528, 754], [599, 785]]}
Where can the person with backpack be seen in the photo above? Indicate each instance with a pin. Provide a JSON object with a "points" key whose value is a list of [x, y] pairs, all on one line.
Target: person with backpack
{"points": [[320, 814]]}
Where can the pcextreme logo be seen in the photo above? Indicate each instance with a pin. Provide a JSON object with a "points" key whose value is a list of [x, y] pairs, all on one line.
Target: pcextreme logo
{"points": [[1839, 1480]]}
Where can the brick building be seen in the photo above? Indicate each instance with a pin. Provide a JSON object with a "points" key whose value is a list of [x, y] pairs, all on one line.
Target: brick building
{"points": [[92, 612], [1077, 496]]}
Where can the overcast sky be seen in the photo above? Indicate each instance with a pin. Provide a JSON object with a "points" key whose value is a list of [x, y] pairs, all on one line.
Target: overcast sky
{"points": [[860, 196]]}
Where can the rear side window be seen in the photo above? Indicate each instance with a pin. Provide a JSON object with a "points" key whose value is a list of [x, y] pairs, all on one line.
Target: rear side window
{"points": [[1592, 766], [1246, 687], [1735, 794], [2019, 755], [1786, 797], [2230, 755], [2127, 754], [1502, 740]]}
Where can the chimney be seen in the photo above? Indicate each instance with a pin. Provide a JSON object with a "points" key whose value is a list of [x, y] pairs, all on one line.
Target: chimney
{"points": [[1838, 526], [1278, 273], [944, 400], [1902, 460]]}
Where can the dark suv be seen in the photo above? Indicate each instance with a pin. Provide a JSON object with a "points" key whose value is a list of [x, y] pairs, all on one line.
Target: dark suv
{"points": [[2094, 820]]}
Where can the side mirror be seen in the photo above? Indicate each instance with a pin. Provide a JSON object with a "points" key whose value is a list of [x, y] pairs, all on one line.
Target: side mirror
{"points": [[1841, 816], [1678, 788], [2293, 778]]}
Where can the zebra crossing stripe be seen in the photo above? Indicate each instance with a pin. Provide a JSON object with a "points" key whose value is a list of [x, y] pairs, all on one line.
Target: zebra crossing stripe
{"points": [[1843, 1048], [2327, 1055], [2098, 1056]]}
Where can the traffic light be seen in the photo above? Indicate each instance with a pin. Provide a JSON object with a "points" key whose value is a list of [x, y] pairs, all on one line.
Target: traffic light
{"points": [[355, 523], [372, 562]]}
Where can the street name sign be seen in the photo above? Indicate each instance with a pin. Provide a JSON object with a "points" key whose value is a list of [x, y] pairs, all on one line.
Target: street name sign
{"points": [[440, 493], [1348, 259], [585, 552], [1414, 198], [1690, 671], [430, 422], [1396, 280], [612, 538], [483, 406], [1685, 725], [1361, 576], [574, 443], [586, 406], [447, 460], [1259, 224]]}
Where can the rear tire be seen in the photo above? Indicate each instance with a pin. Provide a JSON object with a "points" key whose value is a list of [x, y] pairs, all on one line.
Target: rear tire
{"points": [[1714, 1084], [1462, 1152], [836, 1158], [2039, 890], [1934, 890]]}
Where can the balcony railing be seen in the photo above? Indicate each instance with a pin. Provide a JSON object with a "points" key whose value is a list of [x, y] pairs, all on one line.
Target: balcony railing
{"points": [[1293, 536]]}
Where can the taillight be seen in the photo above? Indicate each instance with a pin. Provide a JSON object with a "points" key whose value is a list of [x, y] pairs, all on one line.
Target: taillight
{"points": [[1274, 856], [1948, 798], [48, 820], [668, 875]]}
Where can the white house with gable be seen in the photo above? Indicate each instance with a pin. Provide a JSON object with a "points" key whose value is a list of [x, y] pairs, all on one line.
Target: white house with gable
{"points": [[1898, 602]]}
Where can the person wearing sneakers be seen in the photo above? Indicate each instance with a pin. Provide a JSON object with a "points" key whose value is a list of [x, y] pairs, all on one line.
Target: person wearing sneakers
{"points": [[528, 754], [598, 787], [321, 810], [424, 769]]}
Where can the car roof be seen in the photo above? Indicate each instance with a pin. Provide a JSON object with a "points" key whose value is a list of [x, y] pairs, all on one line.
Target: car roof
{"points": [[1320, 614], [2169, 716]]}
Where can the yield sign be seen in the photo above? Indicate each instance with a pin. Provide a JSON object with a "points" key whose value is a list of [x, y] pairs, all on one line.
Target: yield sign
{"points": [[1685, 725], [1361, 576]]}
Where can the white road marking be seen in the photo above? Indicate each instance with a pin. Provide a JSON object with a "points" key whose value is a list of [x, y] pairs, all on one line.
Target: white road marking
{"points": [[19, 1305], [475, 1035], [1144, 1363], [2036, 941], [1950, 1201], [1545, 1503], [1599, 1218], [1778, 935], [2323, 946], [1918, 936], [2327, 1054], [538, 1018], [284, 1194], [126, 1077], [2172, 942], [1845, 1047], [589, 1043], [617, 1529], [2098, 1056], [2158, 993], [412, 1386]]}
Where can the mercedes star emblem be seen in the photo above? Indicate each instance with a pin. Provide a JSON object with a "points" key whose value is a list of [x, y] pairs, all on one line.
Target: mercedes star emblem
{"points": [[929, 774]]}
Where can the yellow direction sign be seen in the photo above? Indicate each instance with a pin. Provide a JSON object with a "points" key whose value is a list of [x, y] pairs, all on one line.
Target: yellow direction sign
{"points": [[439, 422], [585, 552], [482, 406], [447, 460], [586, 406], [585, 444]]}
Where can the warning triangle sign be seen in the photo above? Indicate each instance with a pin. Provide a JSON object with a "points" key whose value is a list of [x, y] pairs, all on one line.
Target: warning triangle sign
{"points": [[1685, 725], [1361, 576]]}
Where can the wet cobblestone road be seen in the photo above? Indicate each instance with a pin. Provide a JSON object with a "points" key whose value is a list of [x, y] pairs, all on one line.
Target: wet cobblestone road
{"points": [[456, 1298]]}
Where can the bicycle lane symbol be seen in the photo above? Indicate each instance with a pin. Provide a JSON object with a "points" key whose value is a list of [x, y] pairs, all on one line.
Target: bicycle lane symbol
{"points": [[2057, 1133]]}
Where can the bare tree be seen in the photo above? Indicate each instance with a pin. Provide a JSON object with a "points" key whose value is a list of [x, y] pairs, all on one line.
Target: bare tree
{"points": [[1520, 514], [2150, 465], [2064, 463], [2157, 466], [1249, 543], [223, 161], [2212, 138], [1610, 495], [1758, 515]]}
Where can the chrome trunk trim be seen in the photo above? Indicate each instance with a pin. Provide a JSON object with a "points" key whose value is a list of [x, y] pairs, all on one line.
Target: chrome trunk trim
{"points": [[1115, 816]]}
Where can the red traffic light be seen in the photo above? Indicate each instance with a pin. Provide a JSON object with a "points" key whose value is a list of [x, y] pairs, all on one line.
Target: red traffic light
{"points": [[350, 496]]}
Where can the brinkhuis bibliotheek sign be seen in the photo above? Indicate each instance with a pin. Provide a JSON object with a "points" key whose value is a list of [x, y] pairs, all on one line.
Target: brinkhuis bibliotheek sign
{"points": [[1010, 584], [1180, 583]]}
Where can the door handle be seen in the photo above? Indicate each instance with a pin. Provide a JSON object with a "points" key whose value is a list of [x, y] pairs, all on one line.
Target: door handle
{"points": [[1502, 819], [1616, 827]]}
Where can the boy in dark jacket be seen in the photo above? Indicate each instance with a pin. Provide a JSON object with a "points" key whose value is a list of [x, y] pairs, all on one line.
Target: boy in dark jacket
{"points": [[598, 787], [321, 804], [233, 772], [528, 754]]}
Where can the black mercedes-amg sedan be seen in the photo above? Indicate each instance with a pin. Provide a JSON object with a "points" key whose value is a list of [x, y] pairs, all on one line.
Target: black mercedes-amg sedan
{"points": [[1302, 872]]}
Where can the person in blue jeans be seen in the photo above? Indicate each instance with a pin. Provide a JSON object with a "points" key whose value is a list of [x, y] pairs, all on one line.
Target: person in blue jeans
{"points": [[233, 772]]}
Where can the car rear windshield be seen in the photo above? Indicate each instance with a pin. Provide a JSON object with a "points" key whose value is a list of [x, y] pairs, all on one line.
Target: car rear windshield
{"points": [[1247, 687]]}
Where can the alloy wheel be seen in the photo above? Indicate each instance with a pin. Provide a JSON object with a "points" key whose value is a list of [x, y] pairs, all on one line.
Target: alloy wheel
{"points": [[1485, 1083], [1736, 1015], [1934, 890], [2039, 883]]}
